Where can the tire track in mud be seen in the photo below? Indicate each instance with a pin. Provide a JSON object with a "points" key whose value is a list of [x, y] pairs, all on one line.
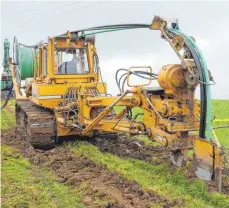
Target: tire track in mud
{"points": [[103, 188]]}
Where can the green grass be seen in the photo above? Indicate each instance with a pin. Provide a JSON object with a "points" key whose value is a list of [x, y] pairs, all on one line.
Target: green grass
{"points": [[220, 108], [7, 120], [25, 185], [147, 141], [157, 178]]}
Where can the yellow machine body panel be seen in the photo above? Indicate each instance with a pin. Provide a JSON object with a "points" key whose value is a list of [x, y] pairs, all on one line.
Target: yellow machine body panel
{"points": [[50, 95]]}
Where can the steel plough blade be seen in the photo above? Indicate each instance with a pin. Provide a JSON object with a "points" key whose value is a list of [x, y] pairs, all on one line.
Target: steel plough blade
{"points": [[203, 159], [208, 161]]}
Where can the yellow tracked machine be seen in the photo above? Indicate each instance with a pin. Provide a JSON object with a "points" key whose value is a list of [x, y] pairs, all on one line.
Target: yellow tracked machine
{"points": [[65, 95]]}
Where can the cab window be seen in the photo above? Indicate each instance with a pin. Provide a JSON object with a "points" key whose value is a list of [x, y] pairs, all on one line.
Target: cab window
{"points": [[71, 61]]}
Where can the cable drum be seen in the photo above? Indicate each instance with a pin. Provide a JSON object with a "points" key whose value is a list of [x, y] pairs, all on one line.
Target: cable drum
{"points": [[23, 57]]}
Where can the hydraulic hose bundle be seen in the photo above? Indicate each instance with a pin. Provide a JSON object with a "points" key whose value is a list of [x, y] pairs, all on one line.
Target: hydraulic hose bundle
{"points": [[206, 114], [120, 81], [108, 28]]}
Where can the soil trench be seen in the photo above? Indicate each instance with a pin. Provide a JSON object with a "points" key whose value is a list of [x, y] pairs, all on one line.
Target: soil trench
{"points": [[99, 186], [132, 147]]}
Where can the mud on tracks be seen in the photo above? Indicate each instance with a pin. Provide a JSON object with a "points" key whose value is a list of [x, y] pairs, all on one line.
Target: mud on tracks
{"points": [[101, 187]]}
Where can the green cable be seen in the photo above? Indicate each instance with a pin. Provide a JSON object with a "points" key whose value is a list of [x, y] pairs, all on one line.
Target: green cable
{"points": [[206, 74], [109, 30]]}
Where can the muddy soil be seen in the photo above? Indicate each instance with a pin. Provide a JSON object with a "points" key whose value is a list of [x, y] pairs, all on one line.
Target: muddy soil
{"points": [[226, 172], [132, 147], [103, 188]]}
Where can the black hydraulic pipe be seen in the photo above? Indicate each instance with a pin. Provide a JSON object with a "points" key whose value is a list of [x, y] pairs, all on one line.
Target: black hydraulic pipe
{"points": [[110, 27]]}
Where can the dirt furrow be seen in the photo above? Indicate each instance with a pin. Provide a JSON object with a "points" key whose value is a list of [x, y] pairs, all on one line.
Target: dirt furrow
{"points": [[131, 147], [98, 186]]}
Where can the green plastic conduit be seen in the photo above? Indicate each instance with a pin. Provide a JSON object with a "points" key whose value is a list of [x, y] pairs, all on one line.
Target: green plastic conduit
{"points": [[205, 72], [109, 30]]}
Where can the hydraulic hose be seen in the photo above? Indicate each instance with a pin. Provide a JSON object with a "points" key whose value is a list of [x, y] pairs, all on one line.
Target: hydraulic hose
{"points": [[109, 27], [202, 90], [206, 114], [109, 30], [151, 76]]}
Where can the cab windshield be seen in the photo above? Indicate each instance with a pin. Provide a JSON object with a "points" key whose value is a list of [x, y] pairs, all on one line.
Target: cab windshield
{"points": [[71, 61]]}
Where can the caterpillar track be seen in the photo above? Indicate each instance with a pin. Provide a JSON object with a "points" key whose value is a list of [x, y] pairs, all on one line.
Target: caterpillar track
{"points": [[38, 123]]}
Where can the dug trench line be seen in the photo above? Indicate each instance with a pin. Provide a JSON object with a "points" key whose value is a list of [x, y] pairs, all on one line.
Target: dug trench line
{"points": [[131, 147], [99, 186]]}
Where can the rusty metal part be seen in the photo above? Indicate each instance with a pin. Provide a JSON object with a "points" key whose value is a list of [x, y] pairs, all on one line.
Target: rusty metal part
{"points": [[171, 77], [64, 108], [153, 107], [90, 38], [218, 165], [95, 111], [158, 23], [192, 78], [28, 90], [37, 122], [178, 42], [172, 140]]}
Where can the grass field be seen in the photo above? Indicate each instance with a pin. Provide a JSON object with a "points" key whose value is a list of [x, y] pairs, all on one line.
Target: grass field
{"points": [[28, 184]]}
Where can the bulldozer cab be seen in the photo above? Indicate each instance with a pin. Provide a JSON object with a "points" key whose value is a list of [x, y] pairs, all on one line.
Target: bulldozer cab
{"points": [[63, 59], [62, 63]]}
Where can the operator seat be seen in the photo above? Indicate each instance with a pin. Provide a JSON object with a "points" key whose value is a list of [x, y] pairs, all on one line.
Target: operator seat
{"points": [[69, 67]]}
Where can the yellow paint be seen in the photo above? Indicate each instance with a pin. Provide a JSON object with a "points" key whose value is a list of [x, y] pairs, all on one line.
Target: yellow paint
{"points": [[203, 150]]}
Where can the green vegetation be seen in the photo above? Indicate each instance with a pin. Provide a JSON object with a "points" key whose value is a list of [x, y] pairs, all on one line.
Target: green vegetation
{"points": [[7, 119], [220, 108], [25, 185], [155, 177]]}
